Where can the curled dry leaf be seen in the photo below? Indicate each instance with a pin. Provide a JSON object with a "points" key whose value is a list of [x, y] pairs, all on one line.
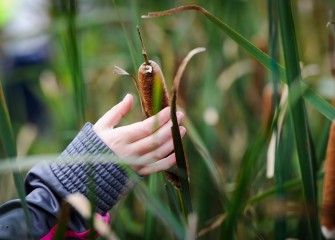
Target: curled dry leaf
{"points": [[214, 225], [191, 231]]}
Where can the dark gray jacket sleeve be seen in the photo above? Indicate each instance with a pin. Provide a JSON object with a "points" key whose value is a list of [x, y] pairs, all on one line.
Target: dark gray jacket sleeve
{"points": [[86, 158]]}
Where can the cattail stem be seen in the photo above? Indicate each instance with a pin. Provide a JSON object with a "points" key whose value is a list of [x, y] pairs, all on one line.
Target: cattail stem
{"points": [[144, 52]]}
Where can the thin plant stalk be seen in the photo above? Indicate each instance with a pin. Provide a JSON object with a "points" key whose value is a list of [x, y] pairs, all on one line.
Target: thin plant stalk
{"points": [[130, 48], [74, 61], [8, 141], [63, 220], [299, 118], [234, 210], [149, 217], [280, 223]]}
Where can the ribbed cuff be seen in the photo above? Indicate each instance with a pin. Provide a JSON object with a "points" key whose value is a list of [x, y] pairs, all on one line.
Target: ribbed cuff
{"points": [[86, 158]]}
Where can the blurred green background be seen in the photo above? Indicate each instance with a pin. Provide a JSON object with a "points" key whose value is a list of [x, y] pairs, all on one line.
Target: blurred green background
{"points": [[221, 94]]}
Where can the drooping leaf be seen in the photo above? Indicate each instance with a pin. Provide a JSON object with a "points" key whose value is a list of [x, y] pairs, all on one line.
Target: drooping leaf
{"points": [[310, 96], [72, 52], [177, 142]]}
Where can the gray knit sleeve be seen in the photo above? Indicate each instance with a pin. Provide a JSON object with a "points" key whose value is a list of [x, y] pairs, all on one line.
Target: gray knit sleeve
{"points": [[87, 158]]}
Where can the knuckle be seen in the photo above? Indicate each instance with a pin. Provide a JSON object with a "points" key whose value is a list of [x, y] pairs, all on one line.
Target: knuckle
{"points": [[159, 155], [155, 143], [147, 129]]}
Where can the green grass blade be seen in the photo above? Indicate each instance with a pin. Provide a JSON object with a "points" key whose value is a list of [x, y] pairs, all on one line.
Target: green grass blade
{"points": [[245, 174], [298, 116], [310, 96], [8, 141], [15, 164], [91, 187], [156, 207], [62, 222], [6, 132], [127, 38], [149, 218], [280, 160], [194, 136], [73, 57], [287, 186], [172, 192], [318, 102]]}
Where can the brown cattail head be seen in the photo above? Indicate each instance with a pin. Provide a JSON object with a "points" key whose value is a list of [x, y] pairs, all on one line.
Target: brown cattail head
{"points": [[328, 203], [153, 88]]}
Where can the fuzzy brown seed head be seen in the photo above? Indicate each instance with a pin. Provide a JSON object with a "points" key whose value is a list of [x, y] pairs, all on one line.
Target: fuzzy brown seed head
{"points": [[150, 76], [328, 203]]}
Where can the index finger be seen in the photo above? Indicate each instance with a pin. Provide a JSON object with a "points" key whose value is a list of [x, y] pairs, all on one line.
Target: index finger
{"points": [[139, 130]]}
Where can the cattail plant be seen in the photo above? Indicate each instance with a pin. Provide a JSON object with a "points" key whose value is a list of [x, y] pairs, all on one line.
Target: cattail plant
{"points": [[154, 97], [328, 203], [153, 93]]}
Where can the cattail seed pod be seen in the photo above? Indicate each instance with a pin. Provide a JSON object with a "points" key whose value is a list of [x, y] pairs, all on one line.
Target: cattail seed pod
{"points": [[151, 83], [154, 96], [328, 202]]}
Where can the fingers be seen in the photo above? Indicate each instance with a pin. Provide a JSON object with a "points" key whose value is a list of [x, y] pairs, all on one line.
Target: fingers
{"points": [[160, 152], [115, 114], [152, 146], [158, 166], [150, 141], [139, 130]]}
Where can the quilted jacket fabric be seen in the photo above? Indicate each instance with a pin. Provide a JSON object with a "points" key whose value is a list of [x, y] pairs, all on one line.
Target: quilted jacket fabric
{"points": [[86, 158]]}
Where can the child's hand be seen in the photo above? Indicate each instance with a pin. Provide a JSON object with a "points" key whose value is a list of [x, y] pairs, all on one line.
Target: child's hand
{"points": [[150, 141]]}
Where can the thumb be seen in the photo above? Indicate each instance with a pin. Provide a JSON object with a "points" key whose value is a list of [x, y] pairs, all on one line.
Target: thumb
{"points": [[116, 113]]}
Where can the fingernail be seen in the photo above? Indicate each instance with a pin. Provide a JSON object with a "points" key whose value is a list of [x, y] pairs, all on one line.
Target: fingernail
{"points": [[182, 131], [180, 116], [127, 96]]}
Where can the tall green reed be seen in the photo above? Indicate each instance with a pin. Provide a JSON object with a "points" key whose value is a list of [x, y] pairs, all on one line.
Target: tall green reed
{"points": [[281, 159], [72, 53], [299, 119], [9, 143], [292, 76]]}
